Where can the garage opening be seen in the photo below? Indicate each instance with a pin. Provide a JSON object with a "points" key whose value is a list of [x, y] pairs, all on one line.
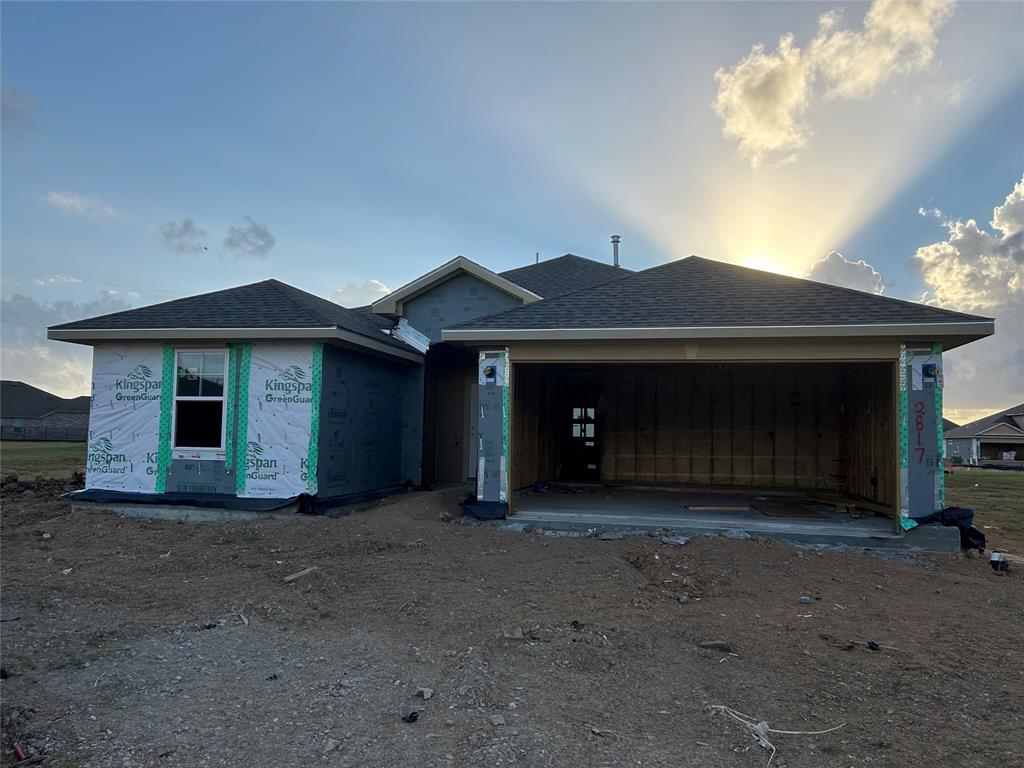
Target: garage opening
{"points": [[829, 428]]}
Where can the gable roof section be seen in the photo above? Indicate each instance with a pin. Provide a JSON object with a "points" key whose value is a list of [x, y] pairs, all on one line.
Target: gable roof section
{"points": [[697, 297], [267, 309], [979, 426], [19, 400], [565, 274], [392, 303]]}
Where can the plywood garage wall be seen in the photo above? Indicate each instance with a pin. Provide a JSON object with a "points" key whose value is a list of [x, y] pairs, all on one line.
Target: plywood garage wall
{"points": [[737, 425], [868, 444], [788, 426], [532, 434]]}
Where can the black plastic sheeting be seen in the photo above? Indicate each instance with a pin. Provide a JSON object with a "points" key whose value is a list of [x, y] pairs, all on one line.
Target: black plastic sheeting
{"points": [[485, 510], [307, 505], [962, 518]]}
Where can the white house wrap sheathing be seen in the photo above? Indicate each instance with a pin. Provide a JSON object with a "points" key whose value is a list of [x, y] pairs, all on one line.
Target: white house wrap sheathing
{"points": [[283, 406], [124, 421]]}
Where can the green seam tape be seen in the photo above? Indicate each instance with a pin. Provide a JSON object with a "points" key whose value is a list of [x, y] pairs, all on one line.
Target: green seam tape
{"points": [[229, 407], [314, 418], [242, 438], [163, 457]]}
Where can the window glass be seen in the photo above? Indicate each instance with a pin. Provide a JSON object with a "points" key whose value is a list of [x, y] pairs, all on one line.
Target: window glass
{"points": [[199, 400], [211, 386], [575, 430], [213, 363], [198, 423], [576, 413]]}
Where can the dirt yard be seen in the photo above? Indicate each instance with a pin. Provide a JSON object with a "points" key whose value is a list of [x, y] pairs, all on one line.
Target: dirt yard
{"points": [[130, 643]]}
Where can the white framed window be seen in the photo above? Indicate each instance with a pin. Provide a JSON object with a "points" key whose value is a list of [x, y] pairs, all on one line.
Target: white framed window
{"points": [[199, 413]]}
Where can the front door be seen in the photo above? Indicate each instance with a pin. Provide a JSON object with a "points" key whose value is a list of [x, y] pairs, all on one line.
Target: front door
{"points": [[582, 453]]}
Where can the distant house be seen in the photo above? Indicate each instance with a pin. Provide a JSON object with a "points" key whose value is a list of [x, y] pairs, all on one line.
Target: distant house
{"points": [[995, 438], [30, 413]]}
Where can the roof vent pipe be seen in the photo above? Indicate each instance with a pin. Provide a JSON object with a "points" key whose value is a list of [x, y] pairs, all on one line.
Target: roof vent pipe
{"points": [[615, 249]]}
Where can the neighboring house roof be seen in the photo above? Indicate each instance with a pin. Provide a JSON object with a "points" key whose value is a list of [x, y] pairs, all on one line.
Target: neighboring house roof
{"points": [[392, 303], [19, 400], [267, 309], [948, 425], [695, 297], [565, 274], [982, 425]]}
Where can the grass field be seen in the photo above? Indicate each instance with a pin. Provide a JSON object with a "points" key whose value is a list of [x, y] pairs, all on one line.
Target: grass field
{"points": [[27, 460], [997, 498]]}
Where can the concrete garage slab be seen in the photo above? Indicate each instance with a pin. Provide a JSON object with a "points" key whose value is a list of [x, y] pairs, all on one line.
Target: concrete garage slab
{"points": [[593, 507]]}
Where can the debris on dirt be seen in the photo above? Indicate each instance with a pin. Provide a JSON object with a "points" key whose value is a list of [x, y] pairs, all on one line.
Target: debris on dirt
{"points": [[211, 625], [675, 541], [611, 536], [805, 599], [424, 693], [330, 746], [165, 752], [760, 729], [873, 646], [717, 645], [737, 534], [412, 717], [497, 720], [516, 633], [299, 574]]}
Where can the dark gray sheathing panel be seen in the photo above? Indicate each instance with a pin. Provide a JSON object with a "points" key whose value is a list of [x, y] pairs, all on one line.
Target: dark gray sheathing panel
{"points": [[371, 415], [456, 300]]}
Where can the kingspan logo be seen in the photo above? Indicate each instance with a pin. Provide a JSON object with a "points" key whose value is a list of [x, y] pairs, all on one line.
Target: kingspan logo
{"points": [[254, 459], [102, 455], [140, 383], [290, 386]]}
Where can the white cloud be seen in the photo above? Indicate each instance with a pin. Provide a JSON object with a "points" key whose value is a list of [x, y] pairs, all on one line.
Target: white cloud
{"points": [[982, 272], [80, 204], [56, 279], [838, 270], [762, 100], [184, 236], [935, 213], [359, 294], [252, 239], [27, 355]]}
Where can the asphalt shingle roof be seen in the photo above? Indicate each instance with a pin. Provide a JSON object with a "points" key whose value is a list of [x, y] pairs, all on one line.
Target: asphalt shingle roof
{"points": [[565, 274], [986, 422], [267, 304], [701, 293], [19, 400]]}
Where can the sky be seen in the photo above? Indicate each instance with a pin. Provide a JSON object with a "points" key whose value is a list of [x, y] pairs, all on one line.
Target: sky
{"points": [[158, 150]]}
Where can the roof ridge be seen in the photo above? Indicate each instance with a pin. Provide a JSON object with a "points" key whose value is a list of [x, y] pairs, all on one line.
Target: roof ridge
{"points": [[627, 274], [831, 286], [301, 299]]}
